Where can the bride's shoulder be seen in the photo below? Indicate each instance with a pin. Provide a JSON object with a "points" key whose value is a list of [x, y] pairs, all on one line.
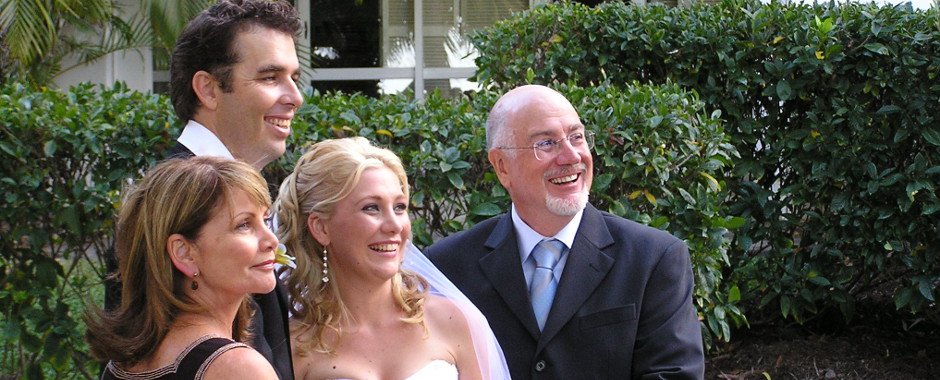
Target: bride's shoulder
{"points": [[444, 314]]}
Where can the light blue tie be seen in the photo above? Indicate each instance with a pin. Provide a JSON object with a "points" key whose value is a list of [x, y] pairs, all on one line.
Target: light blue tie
{"points": [[542, 288]]}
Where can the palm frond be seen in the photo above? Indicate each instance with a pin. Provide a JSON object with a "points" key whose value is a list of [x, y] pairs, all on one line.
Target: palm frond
{"points": [[28, 28], [120, 35], [85, 12], [167, 20]]}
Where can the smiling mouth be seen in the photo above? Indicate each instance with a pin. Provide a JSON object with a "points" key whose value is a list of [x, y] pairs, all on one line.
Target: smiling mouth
{"points": [[384, 247], [566, 179], [281, 123]]}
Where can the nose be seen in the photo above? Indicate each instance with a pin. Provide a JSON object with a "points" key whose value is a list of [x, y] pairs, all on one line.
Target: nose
{"points": [[567, 153], [292, 95], [394, 223], [268, 240]]}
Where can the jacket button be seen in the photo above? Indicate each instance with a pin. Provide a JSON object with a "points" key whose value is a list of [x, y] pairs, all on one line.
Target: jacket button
{"points": [[540, 366]]}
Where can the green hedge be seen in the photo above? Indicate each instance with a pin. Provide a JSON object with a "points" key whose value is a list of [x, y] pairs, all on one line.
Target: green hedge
{"points": [[67, 154], [834, 110], [63, 159]]}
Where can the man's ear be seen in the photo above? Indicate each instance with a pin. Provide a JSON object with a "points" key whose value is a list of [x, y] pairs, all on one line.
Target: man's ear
{"points": [[181, 253], [317, 228], [206, 87], [499, 161]]}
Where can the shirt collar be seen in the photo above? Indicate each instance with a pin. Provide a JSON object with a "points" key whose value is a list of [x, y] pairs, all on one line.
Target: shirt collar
{"points": [[528, 238], [202, 142]]}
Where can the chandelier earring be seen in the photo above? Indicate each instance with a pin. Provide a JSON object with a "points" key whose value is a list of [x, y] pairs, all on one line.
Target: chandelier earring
{"points": [[195, 284], [326, 265]]}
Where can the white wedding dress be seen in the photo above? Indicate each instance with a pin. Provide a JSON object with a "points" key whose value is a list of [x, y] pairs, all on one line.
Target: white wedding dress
{"points": [[490, 356], [436, 370]]}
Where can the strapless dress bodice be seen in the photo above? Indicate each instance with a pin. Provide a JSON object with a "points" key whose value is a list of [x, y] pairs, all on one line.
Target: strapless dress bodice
{"points": [[436, 370]]}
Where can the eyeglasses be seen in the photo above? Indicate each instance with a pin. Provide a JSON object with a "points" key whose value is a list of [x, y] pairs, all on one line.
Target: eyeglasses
{"points": [[548, 148]]}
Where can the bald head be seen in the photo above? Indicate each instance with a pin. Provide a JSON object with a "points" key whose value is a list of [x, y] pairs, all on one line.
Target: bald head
{"points": [[499, 132]]}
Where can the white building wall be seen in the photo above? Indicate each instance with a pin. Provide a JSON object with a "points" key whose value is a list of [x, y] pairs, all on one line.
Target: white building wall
{"points": [[134, 67]]}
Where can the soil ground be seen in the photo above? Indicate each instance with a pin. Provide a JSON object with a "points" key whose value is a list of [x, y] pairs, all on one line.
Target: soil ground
{"points": [[876, 345]]}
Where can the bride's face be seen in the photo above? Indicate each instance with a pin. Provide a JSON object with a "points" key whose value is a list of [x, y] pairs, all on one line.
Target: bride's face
{"points": [[368, 228]]}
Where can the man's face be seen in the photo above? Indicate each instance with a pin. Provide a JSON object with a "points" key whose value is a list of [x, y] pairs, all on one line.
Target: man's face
{"points": [[254, 115], [549, 190]]}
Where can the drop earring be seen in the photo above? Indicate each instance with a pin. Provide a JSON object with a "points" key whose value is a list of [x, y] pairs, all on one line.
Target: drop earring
{"points": [[194, 285], [326, 265]]}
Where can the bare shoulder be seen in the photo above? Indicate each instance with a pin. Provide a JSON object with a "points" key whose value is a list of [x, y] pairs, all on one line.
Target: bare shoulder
{"points": [[449, 325], [444, 315], [299, 340], [240, 363]]}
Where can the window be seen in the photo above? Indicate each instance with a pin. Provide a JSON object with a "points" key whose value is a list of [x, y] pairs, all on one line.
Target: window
{"points": [[370, 46]]}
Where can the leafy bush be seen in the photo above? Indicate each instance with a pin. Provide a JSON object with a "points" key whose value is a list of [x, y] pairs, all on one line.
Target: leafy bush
{"points": [[833, 109], [65, 156]]}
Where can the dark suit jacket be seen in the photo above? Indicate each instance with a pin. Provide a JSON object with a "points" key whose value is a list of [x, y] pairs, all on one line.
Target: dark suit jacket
{"points": [[623, 307], [270, 322]]}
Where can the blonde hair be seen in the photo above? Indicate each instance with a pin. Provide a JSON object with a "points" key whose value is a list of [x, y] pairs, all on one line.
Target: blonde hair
{"points": [[177, 196], [323, 176]]}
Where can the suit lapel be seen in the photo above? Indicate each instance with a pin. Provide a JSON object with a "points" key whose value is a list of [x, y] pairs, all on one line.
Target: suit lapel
{"points": [[586, 267], [179, 151], [503, 269]]}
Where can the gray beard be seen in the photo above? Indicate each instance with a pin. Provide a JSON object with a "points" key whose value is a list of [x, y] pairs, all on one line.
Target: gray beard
{"points": [[565, 207]]}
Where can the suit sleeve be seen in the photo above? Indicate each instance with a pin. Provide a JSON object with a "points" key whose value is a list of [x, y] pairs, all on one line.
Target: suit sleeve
{"points": [[669, 335]]}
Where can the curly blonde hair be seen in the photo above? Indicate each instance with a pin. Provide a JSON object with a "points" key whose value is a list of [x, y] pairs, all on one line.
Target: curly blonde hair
{"points": [[322, 177]]}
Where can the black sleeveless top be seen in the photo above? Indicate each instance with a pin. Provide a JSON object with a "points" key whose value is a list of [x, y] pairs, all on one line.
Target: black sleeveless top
{"points": [[190, 364]]}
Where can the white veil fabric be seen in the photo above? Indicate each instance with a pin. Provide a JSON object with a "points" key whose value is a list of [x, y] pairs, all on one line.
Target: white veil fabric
{"points": [[489, 354]]}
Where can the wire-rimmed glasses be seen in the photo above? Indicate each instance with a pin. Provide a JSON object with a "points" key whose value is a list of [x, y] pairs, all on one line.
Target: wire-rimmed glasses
{"points": [[548, 148]]}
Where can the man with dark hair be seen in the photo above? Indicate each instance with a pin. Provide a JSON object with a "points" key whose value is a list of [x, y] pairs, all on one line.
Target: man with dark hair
{"points": [[571, 292], [233, 77]]}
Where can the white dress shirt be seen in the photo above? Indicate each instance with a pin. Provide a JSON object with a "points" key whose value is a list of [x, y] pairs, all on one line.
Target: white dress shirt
{"points": [[202, 142], [528, 238]]}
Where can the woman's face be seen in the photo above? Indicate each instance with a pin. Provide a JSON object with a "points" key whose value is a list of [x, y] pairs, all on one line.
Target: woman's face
{"points": [[368, 228], [235, 249]]}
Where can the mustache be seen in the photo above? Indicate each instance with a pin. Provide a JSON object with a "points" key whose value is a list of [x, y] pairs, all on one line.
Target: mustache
{"points": [[570, 169]]}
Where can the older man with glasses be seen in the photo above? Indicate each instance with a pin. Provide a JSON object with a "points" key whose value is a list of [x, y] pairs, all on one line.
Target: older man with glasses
{"points": [[570, 291]]}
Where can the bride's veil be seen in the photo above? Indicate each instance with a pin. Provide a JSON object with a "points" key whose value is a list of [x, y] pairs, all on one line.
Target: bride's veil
{"points": [[489, 354]]}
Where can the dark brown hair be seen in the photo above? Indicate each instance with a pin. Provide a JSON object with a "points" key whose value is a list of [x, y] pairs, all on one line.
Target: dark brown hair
{"points": [[207, 44]]}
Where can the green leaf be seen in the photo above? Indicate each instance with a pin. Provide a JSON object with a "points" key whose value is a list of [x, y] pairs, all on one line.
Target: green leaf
{"points": [[888, 109], [49, 148], [903, 298], [456, 180], [350, 117], [459, 165], [734, 294], [734, 222], [603, 181], [932, 136], [876, 47], [711, 181], [486, 209], [783, 90], [926, 289], [875, 27], [7, 148], [820, 280], [688, 197]]}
